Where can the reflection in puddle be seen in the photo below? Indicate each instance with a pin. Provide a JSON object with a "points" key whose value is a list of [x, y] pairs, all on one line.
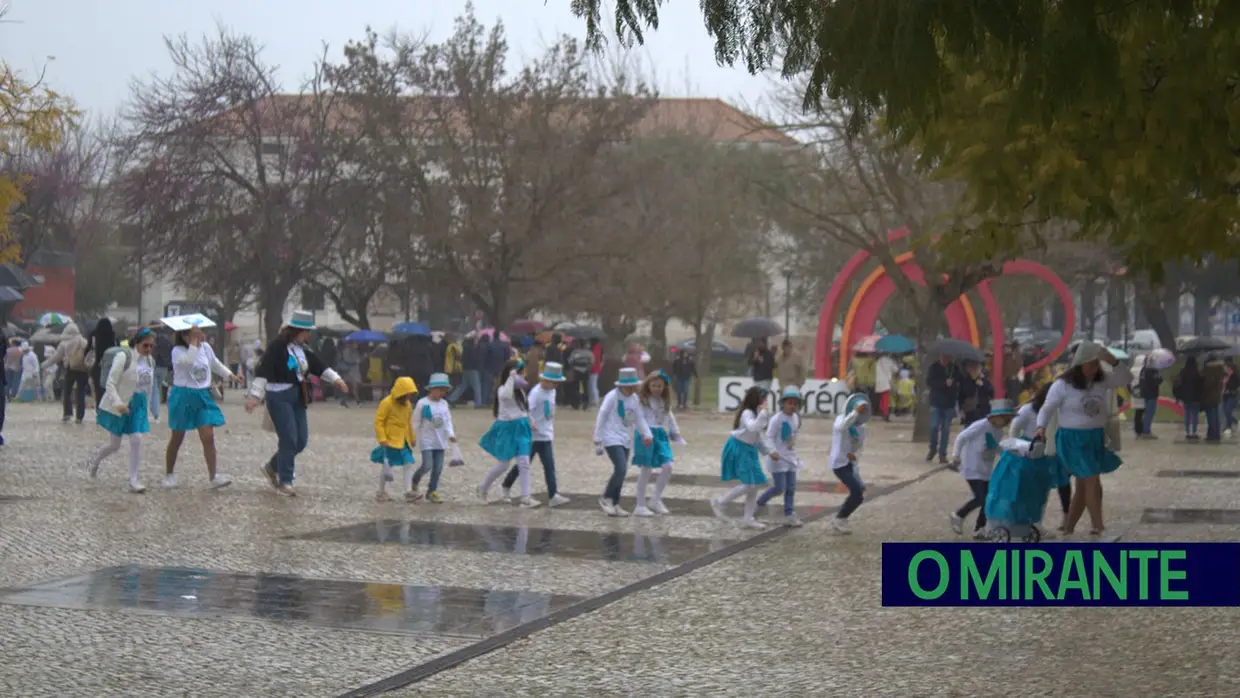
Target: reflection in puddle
{"points": [[342, 604]]}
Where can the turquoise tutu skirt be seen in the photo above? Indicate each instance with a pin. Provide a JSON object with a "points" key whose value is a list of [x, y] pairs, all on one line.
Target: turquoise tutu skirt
{"points": [[394, 457], [657, 454], [740, 462], [1019, 488], [133, 422], [1084, 452], [191, 408], [506, 440]]}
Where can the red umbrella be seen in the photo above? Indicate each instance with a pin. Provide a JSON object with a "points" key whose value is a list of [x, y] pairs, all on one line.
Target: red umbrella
{"points": [[229, 327], [489, 331], [519, 327]]}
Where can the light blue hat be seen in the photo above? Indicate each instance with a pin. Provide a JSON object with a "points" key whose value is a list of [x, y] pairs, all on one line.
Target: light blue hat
{"points": [[790, 393], [999, 408], [301, 320], [552, 371], [439, 380], [628, 378], [858, 399]]}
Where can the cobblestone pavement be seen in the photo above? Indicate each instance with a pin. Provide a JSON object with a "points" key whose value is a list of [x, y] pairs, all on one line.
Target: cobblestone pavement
{"points": [[239, 592]]}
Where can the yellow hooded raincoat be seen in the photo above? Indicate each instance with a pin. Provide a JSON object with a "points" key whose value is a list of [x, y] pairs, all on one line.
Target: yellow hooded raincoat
{"points": [[394, 420]]}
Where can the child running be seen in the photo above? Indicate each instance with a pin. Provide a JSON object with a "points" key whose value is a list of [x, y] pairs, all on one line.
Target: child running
{"points": [[783, 463], [975, 451], [654, 404], [510, 436], [542, 424], [617, 417], [127, 404], [434, 433], [740, 457], [847, 441], [394, 431]]}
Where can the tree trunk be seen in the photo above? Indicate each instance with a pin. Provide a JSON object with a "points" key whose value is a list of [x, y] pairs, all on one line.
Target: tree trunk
{"points": [[1117, 312], [703, 342], [658, 336], [1152, 308], [272, 298], [1202, 326], [1171, 310], [616, 328], [1089, 310]]}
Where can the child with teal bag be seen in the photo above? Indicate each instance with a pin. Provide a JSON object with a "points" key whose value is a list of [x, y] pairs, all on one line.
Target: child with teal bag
{"points": [[975, 451], [434, 432], [394, 431]]}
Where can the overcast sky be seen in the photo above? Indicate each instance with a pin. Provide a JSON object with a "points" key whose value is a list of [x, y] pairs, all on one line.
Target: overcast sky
{"points": [[97, 47]]}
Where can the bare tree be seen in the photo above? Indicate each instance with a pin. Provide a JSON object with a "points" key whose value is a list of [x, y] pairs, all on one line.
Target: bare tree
{"points": [[232, 171]]}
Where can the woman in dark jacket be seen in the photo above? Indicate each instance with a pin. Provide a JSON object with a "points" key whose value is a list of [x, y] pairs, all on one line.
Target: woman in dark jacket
{"points": [[102, 338], [282, 379], [1187, 389]]}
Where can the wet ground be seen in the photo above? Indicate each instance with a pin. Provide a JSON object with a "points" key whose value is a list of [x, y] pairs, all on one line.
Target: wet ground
{"points": [[239, 592]]}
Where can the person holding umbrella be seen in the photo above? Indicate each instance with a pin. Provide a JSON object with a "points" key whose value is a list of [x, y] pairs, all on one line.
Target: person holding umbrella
{"points": [[762, 363], [944, 379]]}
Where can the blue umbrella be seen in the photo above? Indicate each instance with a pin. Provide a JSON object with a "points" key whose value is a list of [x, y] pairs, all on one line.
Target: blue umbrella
{"points": [[366, 337], [895, 344], [416, 329]]}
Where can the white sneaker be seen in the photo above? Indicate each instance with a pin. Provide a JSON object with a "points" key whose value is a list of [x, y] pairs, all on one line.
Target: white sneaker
{"points": [[529, 503], [620, 510], [481, 494], [957, 522], [558, 500], [136, 488], [657, 507], [753, 524], [840, 526], [506, 494], [643, 512], [607, 507], [169, 481], [220, 480], [717, 507], [1227, 433], [793, 521]]}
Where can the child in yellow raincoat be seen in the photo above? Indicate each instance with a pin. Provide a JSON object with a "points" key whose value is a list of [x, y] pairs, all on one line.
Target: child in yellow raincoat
{"points": [[905, 392], [394, 432]]}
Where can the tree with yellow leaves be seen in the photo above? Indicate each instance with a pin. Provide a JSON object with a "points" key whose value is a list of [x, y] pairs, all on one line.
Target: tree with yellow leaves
{"points": [[32, 117]]}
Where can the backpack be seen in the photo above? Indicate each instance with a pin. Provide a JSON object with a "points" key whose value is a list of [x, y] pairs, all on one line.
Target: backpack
{"points": [[76, 356], [105, 366], [580, 360]]}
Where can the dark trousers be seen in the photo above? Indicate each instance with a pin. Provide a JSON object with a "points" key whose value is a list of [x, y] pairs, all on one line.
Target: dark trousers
{"points": [[1138, 421], [4, 405], [1214, 429], [288, 415], [979, 488], [682, 392], [546, 453], [432, 461], [619, 456], [856, 491], [97, 381], [73, 393]]}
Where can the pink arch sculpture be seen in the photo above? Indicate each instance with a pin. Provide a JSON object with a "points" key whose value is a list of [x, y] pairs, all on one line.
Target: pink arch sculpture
{"points": [[877, 295]]}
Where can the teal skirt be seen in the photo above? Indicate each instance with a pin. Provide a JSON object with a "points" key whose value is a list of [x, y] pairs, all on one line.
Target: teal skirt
{"points": [[508, 439], [394, 457], [657, 454], [740, 462], [1084, 452], [192, 408], [135, 421]]}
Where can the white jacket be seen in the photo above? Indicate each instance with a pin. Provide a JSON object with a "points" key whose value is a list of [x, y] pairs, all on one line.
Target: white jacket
{"points": [[122, 383]]}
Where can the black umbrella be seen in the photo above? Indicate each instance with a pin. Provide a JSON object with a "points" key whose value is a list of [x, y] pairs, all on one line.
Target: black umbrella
{"points": [[1200, 344], [583, 332], [8, 294], [956, 349], [757, 327], [15, 277]]}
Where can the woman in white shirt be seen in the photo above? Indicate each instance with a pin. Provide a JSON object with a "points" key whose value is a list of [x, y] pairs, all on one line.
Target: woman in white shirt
{"points": [[128, 404], [740, 457], [1079, 397], [190, 405], [510, 436], [618, 417]]}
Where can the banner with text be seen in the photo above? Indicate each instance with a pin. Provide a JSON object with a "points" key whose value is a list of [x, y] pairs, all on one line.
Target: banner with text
{"points": [[819, 398]]}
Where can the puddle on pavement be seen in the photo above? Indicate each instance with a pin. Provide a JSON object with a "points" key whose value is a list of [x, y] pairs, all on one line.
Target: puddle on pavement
{"points": [[680, 507]]}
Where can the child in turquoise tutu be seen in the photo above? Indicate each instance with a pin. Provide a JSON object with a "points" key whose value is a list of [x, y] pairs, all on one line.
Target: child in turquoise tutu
{"points": [[128, 404], [847, 441], [394, 432], [740, 457], [434, 433], [974, 452], [654, 403], [783, 463], [510, 437], [1080, 399]]}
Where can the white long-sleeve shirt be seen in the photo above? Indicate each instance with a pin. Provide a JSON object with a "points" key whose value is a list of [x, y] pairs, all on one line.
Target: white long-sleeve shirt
{"points": [[192, 367], [781, 431], [542, 413], [975, 451], [617, 417], [1083, 409], [752, 429], [509, 409], [433, 420], [1025, 424], [846, 437], [657, 416]]}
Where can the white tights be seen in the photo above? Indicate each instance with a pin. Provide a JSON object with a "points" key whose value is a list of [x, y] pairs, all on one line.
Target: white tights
{"points": [[751, 493], [135, 453], [643, 479], [501, 467]]}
